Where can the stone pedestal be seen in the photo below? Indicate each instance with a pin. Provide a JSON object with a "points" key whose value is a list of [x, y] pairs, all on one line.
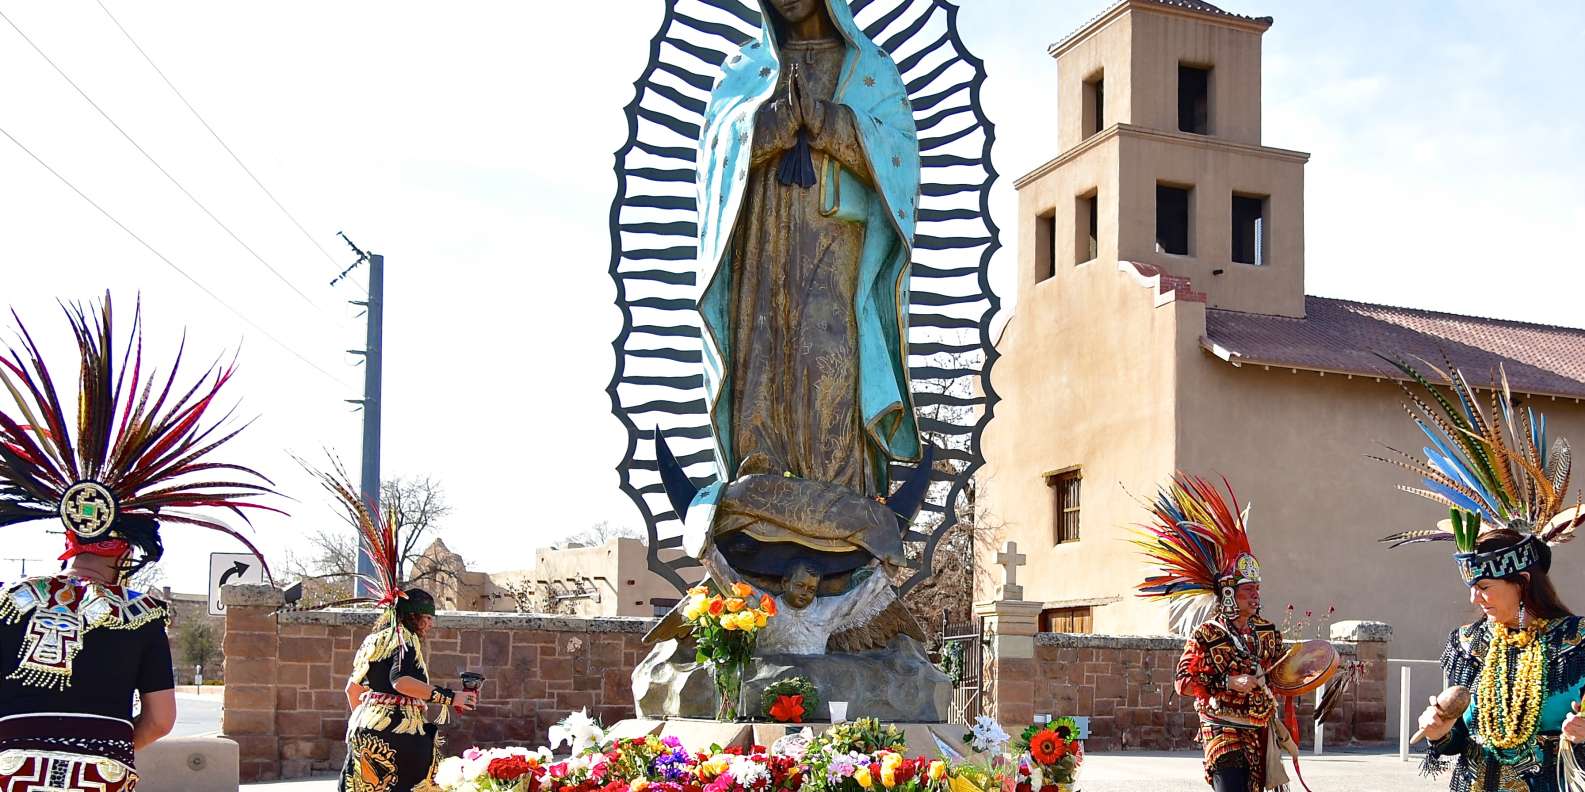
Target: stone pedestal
{"points": [[897, 684], [1366, 707], [1007, 675]]}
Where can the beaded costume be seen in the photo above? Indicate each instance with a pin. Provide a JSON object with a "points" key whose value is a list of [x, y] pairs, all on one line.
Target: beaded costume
{"points": [[1499, 470], [1200, 546], [72, 650]]}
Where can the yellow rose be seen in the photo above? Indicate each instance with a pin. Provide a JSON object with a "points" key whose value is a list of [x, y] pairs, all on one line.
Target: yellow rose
{"points": [[862, 775], [938, 770], [888, 776], [742, 590], [692, 610], [735, 604], [639, 785], [746, 622], [760, 618], [892, 760]]}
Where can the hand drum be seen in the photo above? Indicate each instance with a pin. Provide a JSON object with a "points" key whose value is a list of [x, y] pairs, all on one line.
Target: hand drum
{"points": [[1304, 668]]}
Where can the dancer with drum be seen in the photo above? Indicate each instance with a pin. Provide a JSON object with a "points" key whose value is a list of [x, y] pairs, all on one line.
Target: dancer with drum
{"points": [[1211, 580], [1516, 674]]}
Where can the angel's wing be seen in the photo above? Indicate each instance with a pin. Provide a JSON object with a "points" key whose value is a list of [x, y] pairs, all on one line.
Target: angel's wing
{"points": [[657, 381]]}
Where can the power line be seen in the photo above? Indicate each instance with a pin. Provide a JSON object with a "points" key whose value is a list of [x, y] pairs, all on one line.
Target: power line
{"points": [[234, 157], [172, 264], [155, 163]]}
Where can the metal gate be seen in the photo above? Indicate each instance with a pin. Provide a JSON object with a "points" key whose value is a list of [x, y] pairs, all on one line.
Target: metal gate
{"points": [[963, 656]]}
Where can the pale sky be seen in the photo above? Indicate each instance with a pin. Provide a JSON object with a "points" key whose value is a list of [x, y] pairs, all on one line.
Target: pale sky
{"points": [[471, 143]]}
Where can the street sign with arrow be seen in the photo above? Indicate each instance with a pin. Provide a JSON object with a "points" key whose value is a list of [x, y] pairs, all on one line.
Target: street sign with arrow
{"points": [[228, 568]]}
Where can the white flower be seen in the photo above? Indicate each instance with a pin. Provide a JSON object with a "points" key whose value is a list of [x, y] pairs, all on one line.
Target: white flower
{"points": [[1037, 777], [578, 730], [449, 774], [747, 772], [988, 735]]}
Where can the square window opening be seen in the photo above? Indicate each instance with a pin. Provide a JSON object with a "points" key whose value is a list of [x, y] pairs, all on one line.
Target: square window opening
{"points": [[1094, 110], [1086, 243], [1045, 245], [1194, 99], [1250, 229], [1173, 209]]}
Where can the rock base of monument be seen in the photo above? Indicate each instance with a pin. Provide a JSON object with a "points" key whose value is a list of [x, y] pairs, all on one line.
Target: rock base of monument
{"points": [[897, 684], [924, 739]]}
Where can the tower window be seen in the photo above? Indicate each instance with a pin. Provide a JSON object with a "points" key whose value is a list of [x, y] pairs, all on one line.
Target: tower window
{"points": [[1086, 241], [1194, 99], [1045, 245], [1172, 219], [1094, 105], [1249, 229], [1065, 506]]}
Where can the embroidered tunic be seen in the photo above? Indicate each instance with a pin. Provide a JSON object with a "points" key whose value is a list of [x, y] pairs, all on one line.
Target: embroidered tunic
{"points": [[391, 746], [1529, 768], [72, 652], [1232, 724]]}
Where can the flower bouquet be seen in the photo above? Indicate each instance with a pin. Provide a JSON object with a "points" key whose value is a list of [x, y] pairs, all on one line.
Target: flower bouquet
{"points": [[725, 627], [1050, 754], [789, 700]]}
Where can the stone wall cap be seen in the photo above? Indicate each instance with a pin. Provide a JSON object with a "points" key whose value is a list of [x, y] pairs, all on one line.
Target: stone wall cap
{"points": [[251, 595], [1362, 631], [479, 620], [1146, 642]]}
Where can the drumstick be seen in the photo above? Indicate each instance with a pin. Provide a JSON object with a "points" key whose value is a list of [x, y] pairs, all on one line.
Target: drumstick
{"points": [[1450, 703]]}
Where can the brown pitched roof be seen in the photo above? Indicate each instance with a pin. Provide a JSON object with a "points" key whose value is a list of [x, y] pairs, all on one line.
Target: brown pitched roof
{"points": [[1342, 336]]}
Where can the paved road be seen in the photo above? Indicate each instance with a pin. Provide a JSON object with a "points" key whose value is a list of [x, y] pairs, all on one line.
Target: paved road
{"points": [[1166, 772]]}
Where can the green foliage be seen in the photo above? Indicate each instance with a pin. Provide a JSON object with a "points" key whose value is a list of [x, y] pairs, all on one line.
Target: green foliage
{"points": [[792, 686]]}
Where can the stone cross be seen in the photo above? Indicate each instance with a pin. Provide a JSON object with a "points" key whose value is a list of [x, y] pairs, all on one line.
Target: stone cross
{"points": [[1011, 560]]}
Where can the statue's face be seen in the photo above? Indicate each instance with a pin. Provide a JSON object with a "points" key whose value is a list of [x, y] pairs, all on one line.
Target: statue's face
{"points": [[796, 11], [801, 588]]}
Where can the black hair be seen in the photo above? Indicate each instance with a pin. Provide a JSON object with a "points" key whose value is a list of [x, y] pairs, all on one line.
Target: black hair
{"points": [[142, 534]]}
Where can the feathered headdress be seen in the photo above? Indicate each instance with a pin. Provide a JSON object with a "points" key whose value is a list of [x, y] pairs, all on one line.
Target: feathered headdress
{"points": [[137, 455], [380, 538], [1200, 544], [1493, 470]]}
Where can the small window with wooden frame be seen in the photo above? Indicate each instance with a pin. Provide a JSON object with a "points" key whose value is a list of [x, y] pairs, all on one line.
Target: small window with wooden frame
{"points": [[1068, 620], [1065, 486]]}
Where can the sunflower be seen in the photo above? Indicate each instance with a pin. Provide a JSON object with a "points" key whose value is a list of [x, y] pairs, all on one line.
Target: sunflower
{"points": [[1046, 747]]}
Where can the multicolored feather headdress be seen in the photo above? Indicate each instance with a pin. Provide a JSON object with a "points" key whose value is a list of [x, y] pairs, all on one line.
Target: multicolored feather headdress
{"points": [[1200, 544], [378, 537], [1493, 470], [136, 456]]}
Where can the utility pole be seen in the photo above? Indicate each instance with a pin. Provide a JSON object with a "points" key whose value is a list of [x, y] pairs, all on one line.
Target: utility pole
{"points": [[374, 307]]}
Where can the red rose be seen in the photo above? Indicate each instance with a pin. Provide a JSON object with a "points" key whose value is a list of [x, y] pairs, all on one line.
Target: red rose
{"points": [[508, 768], [615, 786]]}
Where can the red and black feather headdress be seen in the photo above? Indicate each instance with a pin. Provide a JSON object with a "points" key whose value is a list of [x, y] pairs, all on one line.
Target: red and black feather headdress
{"points": [[139, 451]]}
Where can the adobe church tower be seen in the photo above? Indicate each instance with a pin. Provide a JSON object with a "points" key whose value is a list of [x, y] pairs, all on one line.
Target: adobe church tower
{"points": [[1161, 161]]}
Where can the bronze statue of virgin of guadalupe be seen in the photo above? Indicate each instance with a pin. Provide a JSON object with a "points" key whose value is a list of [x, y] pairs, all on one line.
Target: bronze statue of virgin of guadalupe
{"points": [[808, 185]]}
